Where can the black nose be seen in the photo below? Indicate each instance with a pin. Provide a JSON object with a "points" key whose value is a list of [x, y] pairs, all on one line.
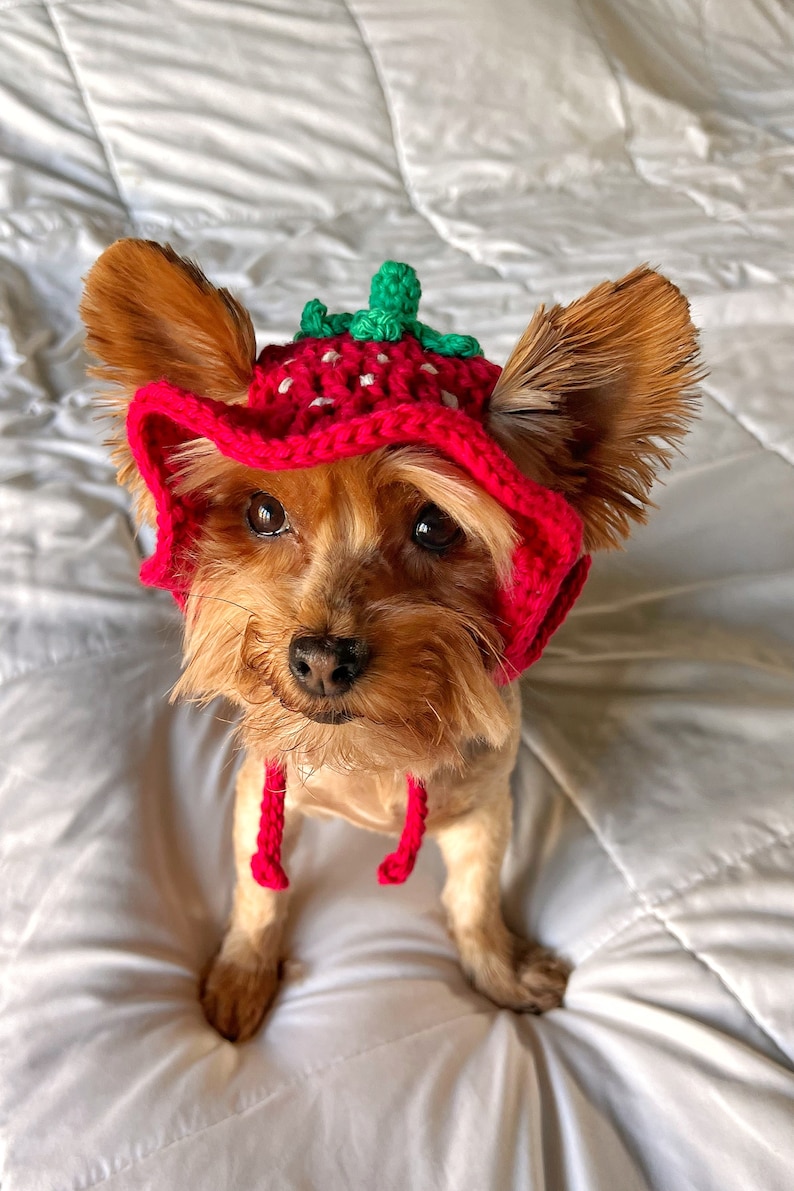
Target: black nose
{"points": [[327, 665]]}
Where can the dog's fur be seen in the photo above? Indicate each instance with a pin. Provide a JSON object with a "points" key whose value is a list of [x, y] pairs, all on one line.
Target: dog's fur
{"points": [[590, 403]]}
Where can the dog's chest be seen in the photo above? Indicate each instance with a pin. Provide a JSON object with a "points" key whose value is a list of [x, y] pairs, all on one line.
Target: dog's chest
{"points": [[372, 800]]}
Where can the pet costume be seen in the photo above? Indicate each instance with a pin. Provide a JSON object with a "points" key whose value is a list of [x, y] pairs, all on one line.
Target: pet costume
{"points": [[350, 384]]}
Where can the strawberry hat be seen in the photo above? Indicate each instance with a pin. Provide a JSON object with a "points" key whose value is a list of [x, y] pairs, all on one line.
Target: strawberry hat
{"points": [[350, 384]]}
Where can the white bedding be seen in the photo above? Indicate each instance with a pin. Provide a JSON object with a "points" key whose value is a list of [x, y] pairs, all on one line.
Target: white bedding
{"points": [[514, 151]]}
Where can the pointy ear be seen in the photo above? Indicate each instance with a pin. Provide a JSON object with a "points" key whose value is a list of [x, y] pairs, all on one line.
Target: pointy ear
{"points": [[151, 315], [596, 395]]}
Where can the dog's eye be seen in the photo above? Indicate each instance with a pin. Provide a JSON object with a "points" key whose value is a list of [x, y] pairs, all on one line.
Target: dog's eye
{"points": [[266, 515], [435, 530]]}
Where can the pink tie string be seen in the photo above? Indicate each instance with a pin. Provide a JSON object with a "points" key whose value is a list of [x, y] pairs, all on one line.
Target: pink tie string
{"points": [[266, 861], [398, 865]]}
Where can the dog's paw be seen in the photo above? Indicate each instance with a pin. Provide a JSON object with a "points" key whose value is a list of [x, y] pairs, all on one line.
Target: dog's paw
{"points": [[542, 978], [235, 998], [531, 981]]}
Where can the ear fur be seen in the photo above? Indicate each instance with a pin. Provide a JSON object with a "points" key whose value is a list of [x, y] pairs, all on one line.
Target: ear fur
{"points": [[152, 315], [596, 394]]}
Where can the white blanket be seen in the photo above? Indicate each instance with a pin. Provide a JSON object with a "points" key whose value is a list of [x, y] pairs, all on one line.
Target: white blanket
{"points": [[514, 151]]}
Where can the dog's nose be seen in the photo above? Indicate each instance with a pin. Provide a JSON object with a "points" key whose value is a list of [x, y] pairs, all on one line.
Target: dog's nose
{"points": [[327, 665]]}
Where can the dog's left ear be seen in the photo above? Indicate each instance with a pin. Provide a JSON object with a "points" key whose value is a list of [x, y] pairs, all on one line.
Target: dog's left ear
{"points": [[151, 315], [596, 394]]}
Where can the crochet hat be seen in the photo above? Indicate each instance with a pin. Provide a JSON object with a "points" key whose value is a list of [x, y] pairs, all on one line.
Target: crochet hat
{"points": [[350, 384]]}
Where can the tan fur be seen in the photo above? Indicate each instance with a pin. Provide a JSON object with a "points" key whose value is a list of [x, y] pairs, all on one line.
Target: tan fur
{"points": [[348, 569], [590, 403], [243, 977]]}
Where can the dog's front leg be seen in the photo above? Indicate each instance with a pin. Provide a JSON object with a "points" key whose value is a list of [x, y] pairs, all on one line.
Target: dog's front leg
{"points": [[242, 979], [510, 971]]}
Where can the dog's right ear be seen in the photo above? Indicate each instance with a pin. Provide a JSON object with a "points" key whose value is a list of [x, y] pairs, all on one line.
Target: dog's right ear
{"points": [[597, 395], [151, 315]]}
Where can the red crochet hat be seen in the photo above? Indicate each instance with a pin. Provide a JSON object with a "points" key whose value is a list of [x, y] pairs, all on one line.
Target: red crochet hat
{"points": [[348, 385]]}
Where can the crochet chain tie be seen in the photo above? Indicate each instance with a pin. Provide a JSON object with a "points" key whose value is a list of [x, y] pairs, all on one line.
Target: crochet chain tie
{"points": [[399, 865], [266, 861]]}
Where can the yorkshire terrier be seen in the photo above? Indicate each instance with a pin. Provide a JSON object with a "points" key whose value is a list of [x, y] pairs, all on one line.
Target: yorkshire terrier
{"points": [[372, 531]]}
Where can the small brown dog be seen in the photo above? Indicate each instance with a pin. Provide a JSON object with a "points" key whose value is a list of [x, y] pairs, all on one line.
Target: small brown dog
{"points": [[367, 598]]}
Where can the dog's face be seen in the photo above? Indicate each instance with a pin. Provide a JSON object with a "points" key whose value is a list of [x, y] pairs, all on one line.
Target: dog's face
{"points": [[348, 609]]}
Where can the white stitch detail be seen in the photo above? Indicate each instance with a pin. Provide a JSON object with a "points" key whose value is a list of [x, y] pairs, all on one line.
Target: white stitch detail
{"points": [[449, 399], [367, 379], [285, 384], [428, 368], [321, 401], [330, 357], [382, 358]]}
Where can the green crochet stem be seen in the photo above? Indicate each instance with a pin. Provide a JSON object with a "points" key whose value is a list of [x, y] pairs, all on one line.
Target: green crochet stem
{"points": [[393, 306]]}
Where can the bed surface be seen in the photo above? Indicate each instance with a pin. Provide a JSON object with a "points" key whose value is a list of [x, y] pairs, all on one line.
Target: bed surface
{"points": [[514, 152]]}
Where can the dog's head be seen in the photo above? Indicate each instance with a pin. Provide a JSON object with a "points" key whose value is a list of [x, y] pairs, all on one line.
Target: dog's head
{"points": [[355, 609]]}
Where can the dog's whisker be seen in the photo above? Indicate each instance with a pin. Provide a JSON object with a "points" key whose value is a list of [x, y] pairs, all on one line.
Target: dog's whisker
{"points": [[203, 595]]}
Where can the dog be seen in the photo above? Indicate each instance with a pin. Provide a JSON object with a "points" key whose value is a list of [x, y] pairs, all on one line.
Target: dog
{"points": [[372, 532]]}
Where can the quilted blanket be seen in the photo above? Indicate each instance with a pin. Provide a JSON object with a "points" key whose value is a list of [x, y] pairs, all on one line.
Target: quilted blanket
{"points": [[516, 152]]}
